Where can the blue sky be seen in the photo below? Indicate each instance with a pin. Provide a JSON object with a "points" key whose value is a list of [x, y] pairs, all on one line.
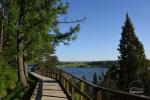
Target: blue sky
{"points": [[99, 36]]}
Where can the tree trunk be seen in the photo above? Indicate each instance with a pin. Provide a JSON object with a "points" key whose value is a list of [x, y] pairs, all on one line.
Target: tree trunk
{"points": [[20, 35], [21, 70], [25, 66], [1, 41], [2, 24], [22, 77]]}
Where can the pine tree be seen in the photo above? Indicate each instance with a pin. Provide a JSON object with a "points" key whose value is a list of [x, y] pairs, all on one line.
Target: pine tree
{"points": [[95, 78], [132, 59], [29, 27], [28, 32], [38, 18], [109, 79]]}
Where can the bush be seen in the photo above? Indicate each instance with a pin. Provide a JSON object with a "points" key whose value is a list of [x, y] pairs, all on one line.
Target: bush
{"points": [[8, 78]]}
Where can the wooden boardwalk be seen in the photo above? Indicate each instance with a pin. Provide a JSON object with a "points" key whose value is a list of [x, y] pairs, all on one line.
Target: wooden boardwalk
{"points": [[47, 89]]}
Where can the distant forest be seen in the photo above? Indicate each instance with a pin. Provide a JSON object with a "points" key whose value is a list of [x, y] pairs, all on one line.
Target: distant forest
{"points": [[89, 63]]}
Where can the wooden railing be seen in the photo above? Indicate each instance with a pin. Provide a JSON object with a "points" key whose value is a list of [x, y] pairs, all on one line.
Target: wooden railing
{"points": [[80, 89]]}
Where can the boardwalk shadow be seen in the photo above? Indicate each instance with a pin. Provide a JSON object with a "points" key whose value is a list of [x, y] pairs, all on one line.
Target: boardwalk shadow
{"points": [[39, 91]]}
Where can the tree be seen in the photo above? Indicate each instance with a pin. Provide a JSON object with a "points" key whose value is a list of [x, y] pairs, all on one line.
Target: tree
{"points": [[47, 61], [8, 74], [132, 59], [109, 79], [95, 78], [37, 19], [20, 39], [31, 29], [10, 29]]}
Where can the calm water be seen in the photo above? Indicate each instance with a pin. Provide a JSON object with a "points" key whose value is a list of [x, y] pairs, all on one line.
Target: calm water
{"points": [[88, 72], [79, 72]]}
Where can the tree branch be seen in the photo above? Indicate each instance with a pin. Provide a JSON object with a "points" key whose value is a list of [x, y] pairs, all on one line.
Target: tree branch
{"points": [[70, 22]]}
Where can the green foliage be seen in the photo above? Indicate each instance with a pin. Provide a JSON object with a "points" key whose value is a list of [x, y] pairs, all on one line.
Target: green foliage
{"points": [[110, 79], [8, 73], [132, 59], [40, 20], [20, 93], [132, 63], [146, 82], [10, 29], [31, 29], [95, 78], [76, 96], [47, 61], [8, 78]]}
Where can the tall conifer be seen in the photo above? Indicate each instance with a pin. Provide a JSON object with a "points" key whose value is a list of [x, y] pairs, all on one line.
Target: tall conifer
{"points": [[132, 59]]}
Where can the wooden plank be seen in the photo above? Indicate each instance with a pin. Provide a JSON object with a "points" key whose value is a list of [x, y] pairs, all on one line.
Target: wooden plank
{"points": [[47, 89]]}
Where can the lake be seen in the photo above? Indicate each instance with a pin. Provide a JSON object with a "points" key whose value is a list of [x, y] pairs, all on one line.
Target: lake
{"points": [[88, 72], [79, 71]]}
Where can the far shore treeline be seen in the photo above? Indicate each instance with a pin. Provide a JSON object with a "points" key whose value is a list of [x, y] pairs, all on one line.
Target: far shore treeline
{"points": [[107, 63], [88, 63]]}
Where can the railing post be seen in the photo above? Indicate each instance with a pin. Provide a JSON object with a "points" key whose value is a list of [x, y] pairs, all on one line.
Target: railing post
{"points": [[33, 69], [72, 90], [82, 89], [72, 93], [56, 74], [98, 95], [41, 72], [65, 84], [60, 75], [54, 71], [48, 73], [51, 72], [62, 78], [67, 87]]}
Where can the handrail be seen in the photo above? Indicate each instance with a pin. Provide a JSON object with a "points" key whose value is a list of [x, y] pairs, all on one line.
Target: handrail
{"points": [[85, 81], [86, 90]]}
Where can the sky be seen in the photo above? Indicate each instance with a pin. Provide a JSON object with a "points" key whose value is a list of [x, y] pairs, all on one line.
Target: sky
{"points": [[100, 33]]}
